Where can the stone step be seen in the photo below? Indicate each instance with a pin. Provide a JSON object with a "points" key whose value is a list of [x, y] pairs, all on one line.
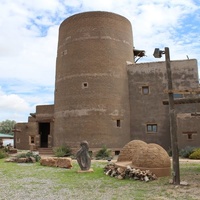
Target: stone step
{"points": [[45, 151]]}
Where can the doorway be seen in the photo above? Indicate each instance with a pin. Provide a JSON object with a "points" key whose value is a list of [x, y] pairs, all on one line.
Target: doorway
{"points": [[44, 131]]}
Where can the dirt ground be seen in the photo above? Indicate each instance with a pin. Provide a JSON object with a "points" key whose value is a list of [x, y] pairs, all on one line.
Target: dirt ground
{"points": [[190, 182]]}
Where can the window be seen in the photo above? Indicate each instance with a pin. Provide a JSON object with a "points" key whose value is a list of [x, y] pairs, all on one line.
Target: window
{"points": [[84, 85], [178, 96], [32, 140], [152, 128], [145, 89], [64, 52], [189, 136], [118, 123]]}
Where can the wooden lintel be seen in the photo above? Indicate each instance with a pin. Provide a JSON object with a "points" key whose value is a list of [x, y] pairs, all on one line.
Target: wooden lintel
{"points": [[16, 130], [182, 101], [189, 132], [48, 120]]}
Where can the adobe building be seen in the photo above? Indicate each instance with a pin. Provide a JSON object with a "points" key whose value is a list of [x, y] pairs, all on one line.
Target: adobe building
{"points": [[104, 97]]}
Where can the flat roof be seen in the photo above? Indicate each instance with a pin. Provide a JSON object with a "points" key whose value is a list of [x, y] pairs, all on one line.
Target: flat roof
{"points": [[3, 135]]}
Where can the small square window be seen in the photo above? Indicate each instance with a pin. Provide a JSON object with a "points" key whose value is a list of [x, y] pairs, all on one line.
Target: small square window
{"points": [[152, 128], [190, 134], [84, 85], [145, 89]]}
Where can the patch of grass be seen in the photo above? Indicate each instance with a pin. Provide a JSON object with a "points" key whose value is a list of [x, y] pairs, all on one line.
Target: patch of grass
{"points": [[42, 182], [3, 153]]}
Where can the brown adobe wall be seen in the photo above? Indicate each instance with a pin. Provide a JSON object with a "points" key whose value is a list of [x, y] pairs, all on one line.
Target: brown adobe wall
{"points": [[91, 89], [149, 108], [47, 109], [44, 113], [188, 130], [21, 137]]}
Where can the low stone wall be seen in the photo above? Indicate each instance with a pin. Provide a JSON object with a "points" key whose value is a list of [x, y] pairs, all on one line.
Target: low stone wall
{"points": [[56, 162]]}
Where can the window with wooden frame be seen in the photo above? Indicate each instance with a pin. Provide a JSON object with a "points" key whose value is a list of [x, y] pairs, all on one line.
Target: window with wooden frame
{"points": [[152, 128]]}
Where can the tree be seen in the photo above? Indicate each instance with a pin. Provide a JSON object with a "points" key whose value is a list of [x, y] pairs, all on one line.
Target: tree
{"points": [[7, 126]]}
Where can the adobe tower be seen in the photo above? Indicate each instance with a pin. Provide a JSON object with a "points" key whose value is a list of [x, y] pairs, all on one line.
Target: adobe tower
{"points": [[91, 87]]}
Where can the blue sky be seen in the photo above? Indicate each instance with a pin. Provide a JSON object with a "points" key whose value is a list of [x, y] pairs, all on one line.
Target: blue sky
{"points": [[29, 35]]}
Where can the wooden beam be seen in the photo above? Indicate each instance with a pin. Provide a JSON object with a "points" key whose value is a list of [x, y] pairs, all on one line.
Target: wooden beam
{"points": [[182, 101], [172, 120]]}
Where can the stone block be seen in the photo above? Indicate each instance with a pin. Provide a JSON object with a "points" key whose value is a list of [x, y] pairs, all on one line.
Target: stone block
{"points": [[56, 162], [48, 161], [64, 162], [22, 160]]}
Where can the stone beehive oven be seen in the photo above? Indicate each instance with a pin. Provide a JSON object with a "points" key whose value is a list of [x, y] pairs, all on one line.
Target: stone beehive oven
{"points": [[130, 150], [144, 156], [91, 89]]}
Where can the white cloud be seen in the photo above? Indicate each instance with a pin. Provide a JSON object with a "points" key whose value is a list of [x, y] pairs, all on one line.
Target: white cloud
{"points": [[29, 35], [12, 102], [13, 107]]}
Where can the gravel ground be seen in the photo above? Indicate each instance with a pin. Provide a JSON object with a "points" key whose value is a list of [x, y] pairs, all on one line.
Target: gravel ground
{"points": [[27, 182], [25, 187]]}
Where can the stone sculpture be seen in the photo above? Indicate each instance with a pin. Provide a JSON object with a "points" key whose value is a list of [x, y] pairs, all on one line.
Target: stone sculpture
{"points": [[83, 157]]}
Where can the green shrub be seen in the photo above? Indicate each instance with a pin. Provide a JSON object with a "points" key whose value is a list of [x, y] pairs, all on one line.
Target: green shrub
{"points": [[31, 154], [62, 151], [3, 154], [186, 152], [28, 155], [103, 154], [195, 154], [169, 151], [91, 154], [21, 155]]}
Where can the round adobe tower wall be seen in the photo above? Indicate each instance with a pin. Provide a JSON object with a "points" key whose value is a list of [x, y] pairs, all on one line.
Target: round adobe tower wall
{"points": [[91, 89]]}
